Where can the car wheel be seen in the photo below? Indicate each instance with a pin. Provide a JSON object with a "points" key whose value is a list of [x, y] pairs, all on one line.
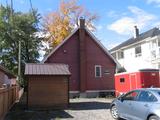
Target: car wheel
{"points": [[154, 117], [114, 112]]}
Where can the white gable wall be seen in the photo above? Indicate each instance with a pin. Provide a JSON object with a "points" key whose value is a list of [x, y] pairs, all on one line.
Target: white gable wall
{"points": [[132, 63]]}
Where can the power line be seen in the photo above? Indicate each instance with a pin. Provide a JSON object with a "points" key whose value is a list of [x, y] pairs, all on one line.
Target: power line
{"points": [[32, 10]]}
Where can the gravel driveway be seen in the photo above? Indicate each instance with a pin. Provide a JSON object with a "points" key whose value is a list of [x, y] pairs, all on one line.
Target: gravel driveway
{"points": [[80, 109], [90, 109]]}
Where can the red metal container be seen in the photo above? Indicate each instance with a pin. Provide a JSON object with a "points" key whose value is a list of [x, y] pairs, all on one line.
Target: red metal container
{"points": [[144, 78]]}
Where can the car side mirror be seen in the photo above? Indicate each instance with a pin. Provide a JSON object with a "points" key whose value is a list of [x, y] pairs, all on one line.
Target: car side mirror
{"points": [[121, 99]]}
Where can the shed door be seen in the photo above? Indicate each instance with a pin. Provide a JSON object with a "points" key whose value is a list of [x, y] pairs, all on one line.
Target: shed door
{"points": [[133, 81]]}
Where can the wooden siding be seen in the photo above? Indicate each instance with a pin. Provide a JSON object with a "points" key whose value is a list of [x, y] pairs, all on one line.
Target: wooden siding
{"points": [[48, 91], [2, 77], [8, 96]]}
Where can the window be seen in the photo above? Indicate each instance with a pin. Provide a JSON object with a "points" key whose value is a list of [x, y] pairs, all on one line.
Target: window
{"points": [[114, 55], [120, 55], [158, 42], [154, 44], [158, 66], [146, 97], [122, 80], [98, 71], [131, 96], [138, 51]]}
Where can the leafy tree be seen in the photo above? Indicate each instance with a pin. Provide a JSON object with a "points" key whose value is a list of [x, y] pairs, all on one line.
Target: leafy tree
{"points": [[15, 27], [59, 24]]}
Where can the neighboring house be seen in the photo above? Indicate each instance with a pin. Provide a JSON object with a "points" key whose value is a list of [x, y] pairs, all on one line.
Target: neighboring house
{"points": [[139, 52], [6, 77], [92, 67]]}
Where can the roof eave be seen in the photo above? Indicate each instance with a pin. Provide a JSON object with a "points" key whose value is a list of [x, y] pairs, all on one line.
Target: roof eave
{"points": [[59, 45]]}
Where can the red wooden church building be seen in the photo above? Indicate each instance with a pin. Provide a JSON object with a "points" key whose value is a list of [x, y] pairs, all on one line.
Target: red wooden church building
{"points": [[91, 65]]}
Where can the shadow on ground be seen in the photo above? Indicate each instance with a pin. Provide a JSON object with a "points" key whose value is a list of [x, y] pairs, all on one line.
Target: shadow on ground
{"points": [[20, 112], [89, 105]]}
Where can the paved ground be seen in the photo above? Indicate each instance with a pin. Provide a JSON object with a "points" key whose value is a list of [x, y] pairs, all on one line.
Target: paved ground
{"points": [[80, 109]]}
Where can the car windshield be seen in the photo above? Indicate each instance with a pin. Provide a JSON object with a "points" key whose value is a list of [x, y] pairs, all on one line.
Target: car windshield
{"points": [[157, 91]]}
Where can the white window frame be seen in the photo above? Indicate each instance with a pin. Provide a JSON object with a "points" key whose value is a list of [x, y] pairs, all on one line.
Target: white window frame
{"points": [[100, 68], [138, 54], [120, 54]]}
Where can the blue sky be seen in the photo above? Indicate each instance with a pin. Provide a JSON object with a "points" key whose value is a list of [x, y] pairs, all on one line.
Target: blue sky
{"points": [[117, 17]]}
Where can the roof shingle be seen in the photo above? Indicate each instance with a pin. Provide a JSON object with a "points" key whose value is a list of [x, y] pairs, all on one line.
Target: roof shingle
{"points": [[46, 69], [150, 33]]}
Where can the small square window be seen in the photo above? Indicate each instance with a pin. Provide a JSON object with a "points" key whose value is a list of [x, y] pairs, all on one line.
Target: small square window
{"points": [[122, 80], [98, 71]]}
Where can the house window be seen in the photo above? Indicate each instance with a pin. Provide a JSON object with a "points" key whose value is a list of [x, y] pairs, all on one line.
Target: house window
{"points": [[158, 66], [98, 71], [138, 51], [120, 55], [158, 42], [122, 80], [114, 55]]}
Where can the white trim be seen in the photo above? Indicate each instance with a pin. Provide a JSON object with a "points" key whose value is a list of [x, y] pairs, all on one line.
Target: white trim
{"points": [[100, 68], [100, 90], [102, 46], [59, 45], [91, 91], [131, 45], [74, 91], [123, 73]]}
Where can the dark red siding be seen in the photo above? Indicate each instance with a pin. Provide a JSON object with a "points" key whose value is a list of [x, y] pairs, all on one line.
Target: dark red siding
{"points": [[93, 55], [96, 56], [70, 57]]}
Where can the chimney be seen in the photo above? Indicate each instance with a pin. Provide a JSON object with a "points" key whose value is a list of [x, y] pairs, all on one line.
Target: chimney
{"points": [[136, 32], [82, 56], [82, 22]]}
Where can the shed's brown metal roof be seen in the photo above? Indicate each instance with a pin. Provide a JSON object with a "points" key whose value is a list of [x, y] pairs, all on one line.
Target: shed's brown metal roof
{"points": [[46, 69]]}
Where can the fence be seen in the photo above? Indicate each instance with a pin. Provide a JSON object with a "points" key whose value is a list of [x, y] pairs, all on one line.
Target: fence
{"points": [[8, 96]]}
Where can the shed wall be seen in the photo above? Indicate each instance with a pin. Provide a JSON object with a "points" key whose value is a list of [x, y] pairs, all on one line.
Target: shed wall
{"points": [[48, 91]]}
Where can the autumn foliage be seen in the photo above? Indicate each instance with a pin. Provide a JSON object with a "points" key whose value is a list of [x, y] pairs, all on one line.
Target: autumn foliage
{"points": [[59, 24]]}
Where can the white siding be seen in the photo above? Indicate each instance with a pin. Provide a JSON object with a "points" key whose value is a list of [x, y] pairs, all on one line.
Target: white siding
{"points": [[132, 63]]}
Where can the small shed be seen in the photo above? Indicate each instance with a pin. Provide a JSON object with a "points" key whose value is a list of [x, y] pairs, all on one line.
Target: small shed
{"points": [[48, 85], [143, 78]]}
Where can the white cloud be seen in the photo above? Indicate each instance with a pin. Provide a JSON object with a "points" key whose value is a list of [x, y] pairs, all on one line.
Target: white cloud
{"points": [[153, 1], [156, 2], [139, 17], [20, 1], [99, 27], [112, 14], [115, 14]]}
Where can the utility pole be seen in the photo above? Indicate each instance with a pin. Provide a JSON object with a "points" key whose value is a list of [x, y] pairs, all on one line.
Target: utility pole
{"points": [[19, 45], [19, 62]]}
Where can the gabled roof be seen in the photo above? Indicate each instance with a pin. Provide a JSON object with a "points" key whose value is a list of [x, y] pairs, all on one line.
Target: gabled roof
{"points": [[92, 36], [46, 69], [150, 33], [7, 72]]}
